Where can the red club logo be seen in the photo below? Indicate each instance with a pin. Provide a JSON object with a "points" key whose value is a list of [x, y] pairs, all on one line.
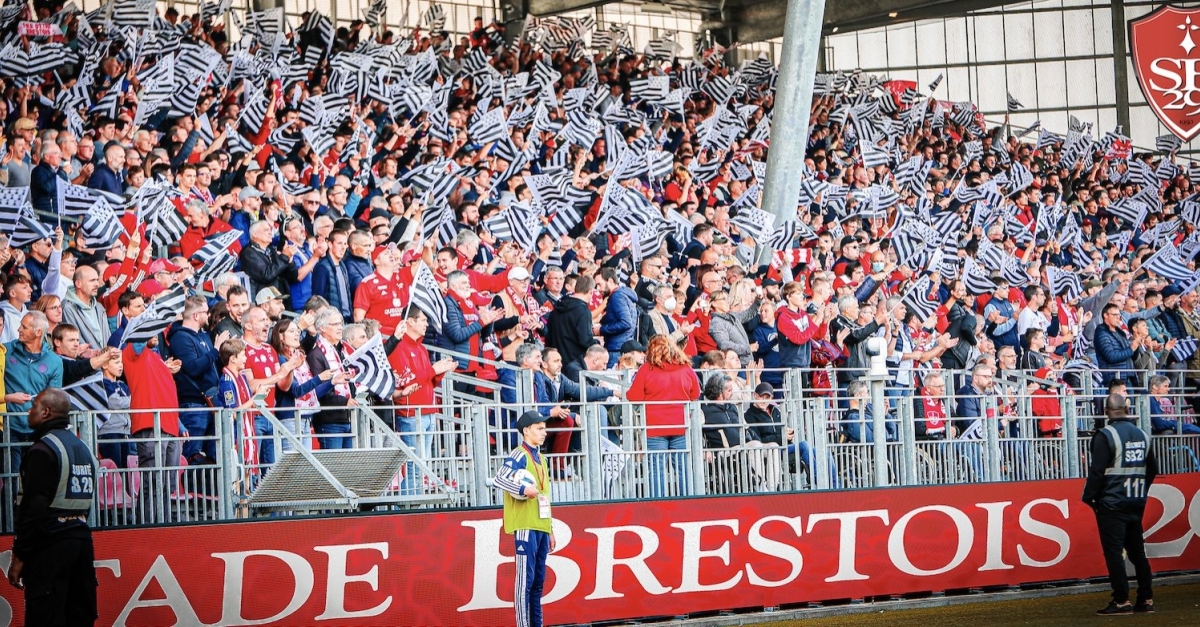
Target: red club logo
{"points": [[1166, 60]]}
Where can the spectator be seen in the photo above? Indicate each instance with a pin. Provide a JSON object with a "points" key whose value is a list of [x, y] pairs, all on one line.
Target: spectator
{"points": [[796, 328], [968, 413], [858, 423], [30, 367], [552, 390], [852, 337], [662, 320], [197, 380], [665, 382], [51, 306], [237, 301], [619, 324], [727, 330], [271, 302], [1114, 351], [267, 375], [569, 328], [358, 262], [1164, 418], [83, 309], [304, 263], [1045, 405], [237, 395], [383, 295], [929, 409], [112, 428], [17, 292], [332, 422], [331, 277], [295, 405], [156, 429], [722, 431], [417, 378], [44, 178], [263, 264], [66, 344], [109, 175]]}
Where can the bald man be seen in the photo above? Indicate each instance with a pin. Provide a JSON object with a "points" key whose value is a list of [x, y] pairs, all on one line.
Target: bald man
{"points": [[52, 552], [83, 309]]}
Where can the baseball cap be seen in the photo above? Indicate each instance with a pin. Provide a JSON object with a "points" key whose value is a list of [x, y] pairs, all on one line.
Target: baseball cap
{"points": [[518, 273], [410, 256], [25, 124], [633, 346], [529, 418], [1093, 283], [1042, 373], [764, 389], [768, 282], [249, 192], [149, 288], [162, 265], [266, 295], [111, 271], [720, 239], [1172, 290], [849, 239], [378, 251]]}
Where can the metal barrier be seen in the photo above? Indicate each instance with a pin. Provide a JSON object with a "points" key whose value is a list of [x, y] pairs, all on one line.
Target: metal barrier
{"points": [[445, 455]]}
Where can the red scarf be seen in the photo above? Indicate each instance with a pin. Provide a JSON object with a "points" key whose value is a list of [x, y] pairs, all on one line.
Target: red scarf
{"points": [[470, 314], [518, 301]]}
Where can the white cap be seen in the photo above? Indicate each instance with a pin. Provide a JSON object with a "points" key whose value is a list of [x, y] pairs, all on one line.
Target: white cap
{"points": [[518, 273]]}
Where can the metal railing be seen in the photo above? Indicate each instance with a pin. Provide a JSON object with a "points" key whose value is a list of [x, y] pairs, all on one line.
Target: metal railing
{"points": [[605, 451]]}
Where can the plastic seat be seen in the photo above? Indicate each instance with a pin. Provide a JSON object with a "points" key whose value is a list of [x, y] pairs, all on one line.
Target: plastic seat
{"points": [[112, 487]]}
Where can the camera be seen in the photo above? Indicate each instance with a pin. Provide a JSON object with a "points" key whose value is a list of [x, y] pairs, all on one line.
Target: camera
{"points": [[876, 350]]}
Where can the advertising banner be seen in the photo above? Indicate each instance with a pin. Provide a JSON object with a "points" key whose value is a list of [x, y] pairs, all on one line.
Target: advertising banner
{"points": [[619, 560]]}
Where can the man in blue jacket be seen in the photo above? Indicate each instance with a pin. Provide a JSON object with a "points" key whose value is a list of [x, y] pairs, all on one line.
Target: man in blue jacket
{"points": [[620, 321], [1114, 351], [109, 176], [30, 367], [197, 378]]}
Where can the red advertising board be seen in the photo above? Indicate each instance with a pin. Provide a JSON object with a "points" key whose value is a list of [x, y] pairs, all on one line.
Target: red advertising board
{"points": [[621, 560]]}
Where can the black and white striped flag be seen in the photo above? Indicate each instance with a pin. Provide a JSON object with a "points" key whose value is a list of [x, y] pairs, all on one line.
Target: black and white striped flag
{"points": [[101, 226], [1064, 283], [373, 371], [1014, 104], [1169, 143], [1167, 263], [1130, 210], [89, 395], [976, 278], [1184, 349], [916, 299], [489, 127], [873, 156], [937, 81], [215, 257], [29, 230], [156, 318], [12, 203], [426, 295], [754, 223]]}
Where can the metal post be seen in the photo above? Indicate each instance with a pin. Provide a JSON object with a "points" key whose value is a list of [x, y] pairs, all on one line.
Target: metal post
{"points": [[695, 437], [225, 446], [793, 100], [879, 425], [991, 428], [1070, 436], [482, 453], [593, 451], [820, 443], [1120, 67], [1143, 412], [908, 440]]}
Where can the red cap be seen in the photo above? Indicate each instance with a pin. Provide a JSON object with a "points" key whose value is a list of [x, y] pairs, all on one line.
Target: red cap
{"points": [[378, 250], [1042, 373], [162, 265], [410, 256], [149, 288], [839, 283], [111, 271]]}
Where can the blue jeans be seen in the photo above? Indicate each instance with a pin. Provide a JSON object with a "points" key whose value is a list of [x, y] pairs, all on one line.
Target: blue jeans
{"points": [[420, 440], [199, 424], [806, 454], [659, 461], [266, 442], [334, 436], [118, 452]]}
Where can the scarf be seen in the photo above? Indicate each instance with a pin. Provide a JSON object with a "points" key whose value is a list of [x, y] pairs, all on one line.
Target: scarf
{"points": [[334, 358], [470, 313]]}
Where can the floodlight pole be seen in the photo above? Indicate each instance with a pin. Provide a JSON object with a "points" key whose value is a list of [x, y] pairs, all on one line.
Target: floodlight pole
{"points": [[793, 100]]}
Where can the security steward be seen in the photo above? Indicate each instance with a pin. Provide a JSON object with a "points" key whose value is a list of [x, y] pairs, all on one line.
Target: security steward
{"points": [[52, 552], [1119, 478]]}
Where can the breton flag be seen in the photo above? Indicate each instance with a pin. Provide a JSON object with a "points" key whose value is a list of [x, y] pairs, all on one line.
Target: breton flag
{"points": [[12, 200], [916, 299], [1014, 104], [873, 157], [89, 395], [1167, 262], [1184, 349], [156, 318], [427, 296], [937, 81], [754, 223], [215, 257], [101, 226], [1168, 143], [375, 373], [1064, 283], [1130, 210]]}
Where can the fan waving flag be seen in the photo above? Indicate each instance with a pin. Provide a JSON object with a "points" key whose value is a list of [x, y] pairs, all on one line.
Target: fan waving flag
{"points": [[374, 372], [89, 395], [916, 299], [156, 318], [427, 296], [1168, 143], [1014, 104]]}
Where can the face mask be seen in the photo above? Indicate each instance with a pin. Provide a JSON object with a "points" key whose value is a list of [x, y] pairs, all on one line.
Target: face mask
{"points": [[876, 266], [670, 303]]}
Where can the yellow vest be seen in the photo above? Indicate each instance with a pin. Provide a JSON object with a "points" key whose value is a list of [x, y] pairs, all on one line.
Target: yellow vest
{"points": [[520, 514]]}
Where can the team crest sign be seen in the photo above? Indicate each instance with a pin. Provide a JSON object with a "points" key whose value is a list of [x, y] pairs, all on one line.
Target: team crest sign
{"points": [[1166, 59]]}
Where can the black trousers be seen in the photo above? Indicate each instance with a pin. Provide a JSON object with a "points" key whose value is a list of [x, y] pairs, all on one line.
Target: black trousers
{"points": [[1122, 531], [60, 584]]}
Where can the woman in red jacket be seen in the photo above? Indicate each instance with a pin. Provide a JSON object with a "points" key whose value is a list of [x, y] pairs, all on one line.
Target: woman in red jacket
{"points": [[665, 382]]}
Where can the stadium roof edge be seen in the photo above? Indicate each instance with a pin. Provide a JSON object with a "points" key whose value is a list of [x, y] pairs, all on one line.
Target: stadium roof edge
{"points": [[751, 21]]}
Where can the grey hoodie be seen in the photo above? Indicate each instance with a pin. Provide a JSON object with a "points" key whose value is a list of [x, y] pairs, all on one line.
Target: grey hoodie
{"points": [[12, 320], [91, 320]]}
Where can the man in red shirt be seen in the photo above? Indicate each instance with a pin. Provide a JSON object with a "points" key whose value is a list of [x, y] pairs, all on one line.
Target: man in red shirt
{"points": [[383, 294], [416, 380], [263, 363], [202, 225]]}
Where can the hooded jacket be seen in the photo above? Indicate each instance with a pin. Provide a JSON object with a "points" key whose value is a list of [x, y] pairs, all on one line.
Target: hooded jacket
{"points": [[29, 373], [569, 329], [91, 320]]}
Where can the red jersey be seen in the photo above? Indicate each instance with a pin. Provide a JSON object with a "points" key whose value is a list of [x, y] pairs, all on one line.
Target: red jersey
{"points": [[263, 361], [383, 300], [411, 363]]}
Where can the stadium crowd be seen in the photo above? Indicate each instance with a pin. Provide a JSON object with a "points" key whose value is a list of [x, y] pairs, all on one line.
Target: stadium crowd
{"points": [[246, 219]]}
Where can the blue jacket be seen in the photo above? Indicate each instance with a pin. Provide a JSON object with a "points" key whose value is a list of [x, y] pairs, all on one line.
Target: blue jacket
{"points": [[1113, 354], [300, 290], [105, 180], [43, 187], [968, 408], [769, 352], [197, 377], [323, 285], [456, 333], [1005, 333], [547, 398], [29, 373], [359, 269], [620, 321]]}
